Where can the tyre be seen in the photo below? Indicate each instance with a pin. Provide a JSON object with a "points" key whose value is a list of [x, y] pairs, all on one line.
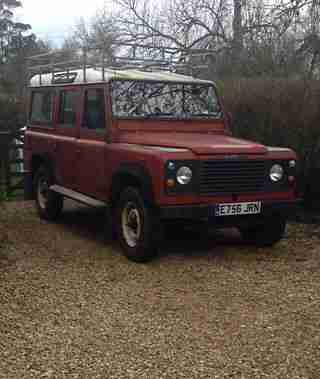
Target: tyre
{"points": [[137, 226], [48, 203], [266, 234]]}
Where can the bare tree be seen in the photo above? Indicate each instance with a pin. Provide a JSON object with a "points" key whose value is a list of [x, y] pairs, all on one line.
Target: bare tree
{"points": [[245, 35], [100, 32], [178, 23]]}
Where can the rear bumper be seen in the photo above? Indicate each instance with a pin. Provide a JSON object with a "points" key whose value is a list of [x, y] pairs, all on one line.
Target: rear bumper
{"points": [[196, 212]]}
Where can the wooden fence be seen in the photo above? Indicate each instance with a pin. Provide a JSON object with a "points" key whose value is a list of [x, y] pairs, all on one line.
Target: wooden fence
{"points": [[11, 163]]}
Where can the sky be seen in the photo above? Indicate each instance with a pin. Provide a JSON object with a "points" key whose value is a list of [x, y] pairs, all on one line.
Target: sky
{"points": [[53, 19]]}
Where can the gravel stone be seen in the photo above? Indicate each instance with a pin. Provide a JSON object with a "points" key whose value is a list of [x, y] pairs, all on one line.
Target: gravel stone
{"points": [[73, 307]]}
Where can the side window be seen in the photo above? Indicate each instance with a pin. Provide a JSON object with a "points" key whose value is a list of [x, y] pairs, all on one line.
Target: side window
{"points": [[42, 107], [68, 108], [94, 110]]}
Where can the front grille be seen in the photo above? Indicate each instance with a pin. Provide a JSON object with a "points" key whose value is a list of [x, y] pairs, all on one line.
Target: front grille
{"points": [[231, 177]]}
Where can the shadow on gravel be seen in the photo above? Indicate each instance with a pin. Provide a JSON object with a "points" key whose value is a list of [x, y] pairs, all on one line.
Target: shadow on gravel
{"points": [[86, 222], [194, 240], [178, 239]]}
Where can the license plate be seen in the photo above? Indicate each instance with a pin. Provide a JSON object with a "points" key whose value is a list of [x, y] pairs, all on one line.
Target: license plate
{"points": [[232, 209]]}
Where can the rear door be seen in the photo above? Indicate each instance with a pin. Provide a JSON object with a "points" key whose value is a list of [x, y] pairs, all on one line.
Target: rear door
{"points": [[91, 146], [67, 131], [40, 135]]}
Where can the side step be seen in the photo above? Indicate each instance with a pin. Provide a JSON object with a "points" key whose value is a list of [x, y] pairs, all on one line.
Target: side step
{"points": [[78, 196]]}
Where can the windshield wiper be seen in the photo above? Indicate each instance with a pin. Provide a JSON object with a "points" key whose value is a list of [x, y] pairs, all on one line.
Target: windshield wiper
{"points": [[159, 114], [217, 114]]}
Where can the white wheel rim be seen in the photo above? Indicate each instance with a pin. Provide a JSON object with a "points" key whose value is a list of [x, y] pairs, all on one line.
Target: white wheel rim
{"points": [[131, 224], [43, 192]]}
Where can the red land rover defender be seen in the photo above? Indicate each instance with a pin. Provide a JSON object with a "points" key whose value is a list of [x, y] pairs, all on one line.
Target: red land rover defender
{"points": [[151, 147]]}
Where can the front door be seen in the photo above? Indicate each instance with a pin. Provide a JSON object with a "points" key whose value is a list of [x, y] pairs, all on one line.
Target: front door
{"points": [[67, 130], [91, 146]]}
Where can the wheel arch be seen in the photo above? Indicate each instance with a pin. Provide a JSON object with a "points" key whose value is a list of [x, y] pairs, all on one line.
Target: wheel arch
{"points": [[132, 174], [39, 160]]}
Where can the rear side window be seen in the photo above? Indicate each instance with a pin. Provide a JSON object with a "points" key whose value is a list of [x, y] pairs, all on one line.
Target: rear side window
{"points": [[68, 108], [42, 107], [94, 110]]}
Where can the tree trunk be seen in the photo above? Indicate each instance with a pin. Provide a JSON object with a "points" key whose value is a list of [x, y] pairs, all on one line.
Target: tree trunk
{"points": [[237, 44]]}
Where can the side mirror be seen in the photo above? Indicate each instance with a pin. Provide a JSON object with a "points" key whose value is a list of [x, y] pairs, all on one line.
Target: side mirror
{"points": [[229, 118], [229, 121]]}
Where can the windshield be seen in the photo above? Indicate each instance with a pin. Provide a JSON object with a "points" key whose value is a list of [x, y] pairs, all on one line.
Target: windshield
{"points": [[155, 100]]}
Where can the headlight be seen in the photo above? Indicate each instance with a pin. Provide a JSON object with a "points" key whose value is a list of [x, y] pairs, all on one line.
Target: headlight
{"points": [[184, 175], [276, 173], [292, 163], [171, 166]]}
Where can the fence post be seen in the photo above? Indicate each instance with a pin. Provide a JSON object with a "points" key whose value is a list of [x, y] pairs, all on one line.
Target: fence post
{"points": [[5, 138]]}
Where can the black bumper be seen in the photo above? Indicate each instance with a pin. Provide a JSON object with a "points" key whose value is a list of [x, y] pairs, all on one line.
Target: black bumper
{"points": [[280, 208]]}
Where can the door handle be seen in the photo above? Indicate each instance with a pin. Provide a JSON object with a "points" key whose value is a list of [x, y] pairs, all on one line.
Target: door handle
{"points": [[55, 146]]}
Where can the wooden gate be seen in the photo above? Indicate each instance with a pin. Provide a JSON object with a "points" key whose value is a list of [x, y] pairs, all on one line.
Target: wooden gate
{"points": [[11, 163]]}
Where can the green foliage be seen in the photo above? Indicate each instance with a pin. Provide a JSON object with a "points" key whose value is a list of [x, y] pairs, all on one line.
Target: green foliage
{"points": [[280, 113], [16, 43], [12, 113], [3, 196], [9, 30]]}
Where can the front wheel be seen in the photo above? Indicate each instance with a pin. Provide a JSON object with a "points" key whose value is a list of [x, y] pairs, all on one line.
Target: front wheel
{"points": [[136, 224], [266, 234], [48, 203]]}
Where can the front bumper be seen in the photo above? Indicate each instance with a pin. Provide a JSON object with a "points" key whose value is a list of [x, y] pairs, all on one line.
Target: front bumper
{"points": [[196, 212]]}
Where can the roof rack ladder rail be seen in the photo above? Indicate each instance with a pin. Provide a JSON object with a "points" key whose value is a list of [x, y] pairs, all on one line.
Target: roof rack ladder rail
{"points": [[84, 64], [103, 62], [52, 70], [163, 53], [167, 60]]}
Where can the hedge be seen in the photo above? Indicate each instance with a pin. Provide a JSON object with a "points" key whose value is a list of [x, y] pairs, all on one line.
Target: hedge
{"points": [[282, 113]]}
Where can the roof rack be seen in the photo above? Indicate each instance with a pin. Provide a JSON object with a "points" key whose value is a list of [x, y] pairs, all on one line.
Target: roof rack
{"points": [[62, 69]]}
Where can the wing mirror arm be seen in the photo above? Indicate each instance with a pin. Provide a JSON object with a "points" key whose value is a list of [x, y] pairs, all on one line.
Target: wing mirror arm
{"points": [[228, 122]]}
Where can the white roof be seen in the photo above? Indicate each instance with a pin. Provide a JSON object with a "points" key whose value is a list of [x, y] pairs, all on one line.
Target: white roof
{"points": [[94, 75]]}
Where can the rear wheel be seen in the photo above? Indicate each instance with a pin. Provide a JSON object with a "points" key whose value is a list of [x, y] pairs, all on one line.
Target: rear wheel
{"points": [[137, 226], [48, 203], [266, 234]]}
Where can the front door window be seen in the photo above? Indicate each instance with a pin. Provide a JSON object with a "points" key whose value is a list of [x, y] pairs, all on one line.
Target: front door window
{"points": [[68, 108], [94, 110]]}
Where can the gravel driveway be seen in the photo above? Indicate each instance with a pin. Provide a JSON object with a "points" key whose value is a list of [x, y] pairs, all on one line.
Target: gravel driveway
{"points": [[73, 307]]}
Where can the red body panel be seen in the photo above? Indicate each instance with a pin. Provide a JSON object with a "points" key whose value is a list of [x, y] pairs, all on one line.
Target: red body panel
{"points": [[86, 160], [91, 172], [200, 143]]}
